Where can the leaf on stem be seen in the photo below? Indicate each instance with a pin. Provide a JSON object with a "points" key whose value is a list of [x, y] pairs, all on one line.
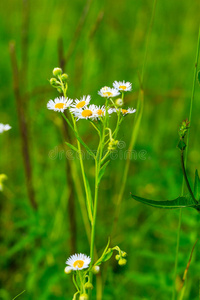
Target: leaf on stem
{"points": [[107, 253], [180, 202], [71, 146], [102, 171]]}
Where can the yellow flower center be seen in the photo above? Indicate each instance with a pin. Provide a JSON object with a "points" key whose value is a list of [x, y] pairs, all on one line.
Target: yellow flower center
{"points": [[86, 113], [59, 105], [80, 104], [122, 87], [100, 112], [78, 263], [124, 111], [107, 94]]}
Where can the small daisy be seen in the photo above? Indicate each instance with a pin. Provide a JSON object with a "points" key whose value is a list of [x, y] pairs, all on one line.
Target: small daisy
{"points": [[86, 113], [127, 111], [99, 111], [122, 86], [59, 104], [78, 262], [4, 127], [108, 92], [84, 101]]}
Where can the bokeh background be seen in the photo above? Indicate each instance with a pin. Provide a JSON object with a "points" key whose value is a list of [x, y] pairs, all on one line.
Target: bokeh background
{"points": [[102, 41]]}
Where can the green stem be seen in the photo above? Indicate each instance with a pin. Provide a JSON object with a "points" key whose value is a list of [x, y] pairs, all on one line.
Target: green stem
{"points": [[190, 117], [186, 179]]}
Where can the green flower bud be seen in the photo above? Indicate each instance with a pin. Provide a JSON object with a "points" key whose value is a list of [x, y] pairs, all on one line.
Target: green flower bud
{"points": [[57, 71], [67, 270], [124, 254], [83, 297], [122, 262], [119, 102], [54, 82], [88, 286], [64, 77], [59, 90], [117, 257], [95, 269]]}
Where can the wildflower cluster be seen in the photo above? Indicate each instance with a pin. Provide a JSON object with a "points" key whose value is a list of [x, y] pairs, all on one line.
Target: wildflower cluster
{"points": [[81, 266]]}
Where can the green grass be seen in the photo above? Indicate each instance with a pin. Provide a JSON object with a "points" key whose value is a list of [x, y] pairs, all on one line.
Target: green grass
{"points": [[36, 244]]}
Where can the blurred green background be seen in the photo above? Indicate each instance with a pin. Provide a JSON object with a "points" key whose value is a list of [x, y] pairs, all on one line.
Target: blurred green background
{"points": [[103, 41]]}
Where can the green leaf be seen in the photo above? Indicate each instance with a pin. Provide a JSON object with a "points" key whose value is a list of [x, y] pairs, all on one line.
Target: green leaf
{"points": [[179, 202], [197, 186], [102, 170], [71, 146], [198, 77], [108, 255], [104, 254]]}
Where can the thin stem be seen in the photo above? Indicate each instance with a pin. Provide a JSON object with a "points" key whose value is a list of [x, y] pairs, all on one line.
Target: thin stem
{"points": [[187, 143], [186, 179]]}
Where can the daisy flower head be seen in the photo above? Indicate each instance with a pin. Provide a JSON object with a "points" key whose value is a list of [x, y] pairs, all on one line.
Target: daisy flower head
{"points": [[78, 262], [127, 111], [107, 92], [122, 86], [59, 104], [85, 113], [5, 127], [79, 104]]}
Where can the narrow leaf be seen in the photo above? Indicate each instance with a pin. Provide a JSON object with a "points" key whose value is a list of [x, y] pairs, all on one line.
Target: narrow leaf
{"points": [[179, 202], [71, 146], [102, 170], [103, 254]]}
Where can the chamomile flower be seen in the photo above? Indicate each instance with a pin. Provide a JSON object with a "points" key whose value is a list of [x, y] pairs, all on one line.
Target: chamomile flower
{"points": [[4, 127], [127, 111], [78, 262], [107, 92], [79, 104], [59, 104], [85, 113], [122, 86]]}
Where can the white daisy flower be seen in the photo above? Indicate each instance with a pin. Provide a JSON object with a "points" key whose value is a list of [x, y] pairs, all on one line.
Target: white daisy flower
{"points": [[127, 111], [78, 262], [59, 104], [122, 86], [84, 101], [5, 127], [86, 113], [108, 92]]}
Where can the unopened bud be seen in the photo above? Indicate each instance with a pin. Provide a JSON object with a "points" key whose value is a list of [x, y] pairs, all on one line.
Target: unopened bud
{"points": [[117, 257], [64, 77], [119, 102], [67, 270], [112, 145], [54, 82], [88, 286], [57, 71], [124, 254], [95, 269], [83, 297], [122, 262], [59, 90]]}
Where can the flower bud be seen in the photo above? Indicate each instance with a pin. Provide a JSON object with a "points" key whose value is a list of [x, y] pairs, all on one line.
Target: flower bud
{"points": [[95, 269], [54, 82], [57, 71], [88, 286], [119, 102], [122, 262], [67, 270], [83, 297], [112, 145], [124, 254], [117, 257], [59, 90], [64, 77]]}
